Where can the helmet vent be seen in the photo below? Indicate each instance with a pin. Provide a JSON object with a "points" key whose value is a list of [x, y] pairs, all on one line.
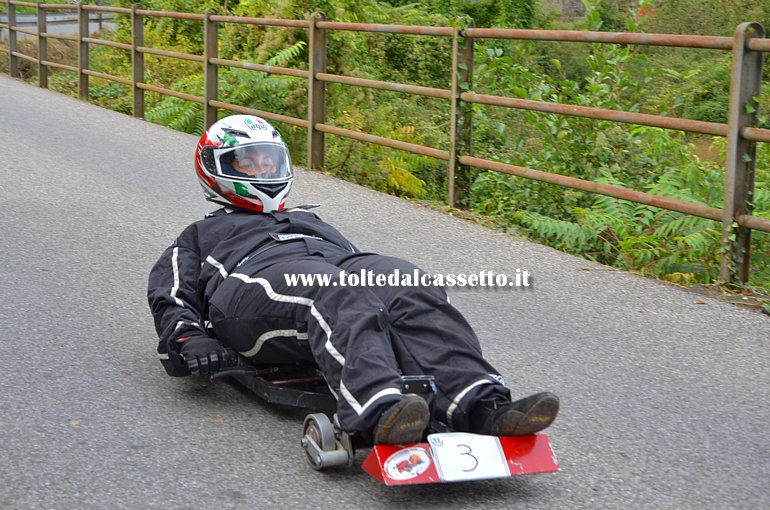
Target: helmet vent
{"points": [[236, 132], [271, 190], [207, 157]]}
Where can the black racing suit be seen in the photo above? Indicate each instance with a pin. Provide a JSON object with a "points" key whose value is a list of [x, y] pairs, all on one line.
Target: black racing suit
{"points": [[225, 276]]}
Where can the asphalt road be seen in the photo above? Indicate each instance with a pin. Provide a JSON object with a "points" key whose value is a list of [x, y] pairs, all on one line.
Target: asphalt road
{"points": [[57, 25], [664, 393]]}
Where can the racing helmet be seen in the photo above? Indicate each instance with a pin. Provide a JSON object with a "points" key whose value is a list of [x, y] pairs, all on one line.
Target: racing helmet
{"points": [[242, 161]]}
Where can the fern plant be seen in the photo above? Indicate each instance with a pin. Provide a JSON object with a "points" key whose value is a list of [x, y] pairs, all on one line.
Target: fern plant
{"points": [[238, 86]]}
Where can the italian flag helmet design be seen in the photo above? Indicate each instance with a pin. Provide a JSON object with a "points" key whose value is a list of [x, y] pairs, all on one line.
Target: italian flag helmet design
{"points": [[242, 161]]}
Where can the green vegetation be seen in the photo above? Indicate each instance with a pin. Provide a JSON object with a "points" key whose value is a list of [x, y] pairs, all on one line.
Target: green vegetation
{"points": [[685, 83], [679, 248]]}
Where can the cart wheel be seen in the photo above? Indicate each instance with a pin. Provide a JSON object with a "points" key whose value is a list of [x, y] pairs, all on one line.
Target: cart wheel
{"points": [[318, 427], [321, 431]]}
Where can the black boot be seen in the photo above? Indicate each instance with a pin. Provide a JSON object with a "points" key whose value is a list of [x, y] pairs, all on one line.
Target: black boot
{"points": [[404, 422], [499, 417]]}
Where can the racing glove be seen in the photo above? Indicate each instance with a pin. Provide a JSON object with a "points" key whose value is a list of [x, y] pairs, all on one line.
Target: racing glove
{"points": [[202, 354]]}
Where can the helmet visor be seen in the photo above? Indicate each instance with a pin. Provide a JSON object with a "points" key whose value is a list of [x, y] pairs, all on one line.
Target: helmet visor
{"points": [[257, 161]]}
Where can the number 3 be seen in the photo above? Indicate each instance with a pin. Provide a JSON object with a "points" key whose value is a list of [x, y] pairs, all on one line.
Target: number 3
{"points": [[468, 453]]}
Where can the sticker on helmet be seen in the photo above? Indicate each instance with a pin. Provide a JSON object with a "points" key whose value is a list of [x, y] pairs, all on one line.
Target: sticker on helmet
{"points": [[231, 136], [241, 189], [228, 140], [260, 124]]}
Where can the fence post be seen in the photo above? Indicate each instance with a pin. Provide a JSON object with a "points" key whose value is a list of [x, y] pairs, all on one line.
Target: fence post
{"points": [[82, 53], [461, 177], [316, 93], [13, 60], [210, 76], [137, 61], [745, 85], [42, 47]]}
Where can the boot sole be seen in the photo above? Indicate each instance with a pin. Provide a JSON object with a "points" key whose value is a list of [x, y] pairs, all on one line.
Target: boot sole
{"points": [[539, 416], [403, 423]]}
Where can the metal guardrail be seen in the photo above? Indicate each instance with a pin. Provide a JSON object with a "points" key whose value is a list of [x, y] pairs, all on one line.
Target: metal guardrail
{"points": [[747, 47]]}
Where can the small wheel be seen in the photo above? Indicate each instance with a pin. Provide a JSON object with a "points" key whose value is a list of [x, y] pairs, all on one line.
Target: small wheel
{"points": [[321, 430]]}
